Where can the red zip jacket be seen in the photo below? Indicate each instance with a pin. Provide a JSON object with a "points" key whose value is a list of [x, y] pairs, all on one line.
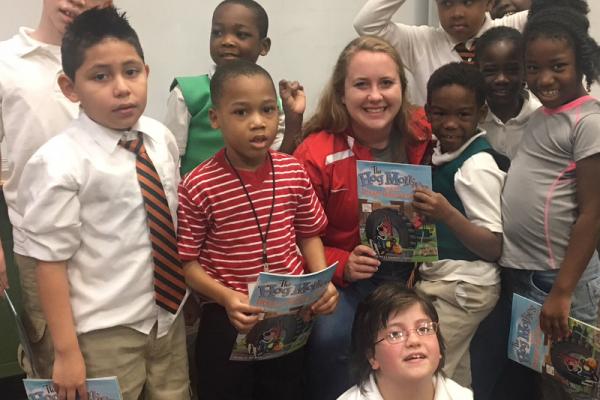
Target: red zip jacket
{"points": [[330, 160]]}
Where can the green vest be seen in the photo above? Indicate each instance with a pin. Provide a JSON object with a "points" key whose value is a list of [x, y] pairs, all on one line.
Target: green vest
{"points": [[449, 247], [203, 141]]}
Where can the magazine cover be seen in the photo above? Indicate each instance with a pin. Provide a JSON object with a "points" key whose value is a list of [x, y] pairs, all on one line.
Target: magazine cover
{"points": [[287, 321], [388, 222], [572, 361], [98, 389]]}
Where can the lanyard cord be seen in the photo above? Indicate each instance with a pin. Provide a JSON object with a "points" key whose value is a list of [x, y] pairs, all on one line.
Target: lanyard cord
{"points": [[263, 238]]}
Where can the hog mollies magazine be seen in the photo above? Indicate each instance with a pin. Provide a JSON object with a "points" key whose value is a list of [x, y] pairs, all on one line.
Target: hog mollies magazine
{"points": [[388, 222], [98, 389], [287, 321], [572, 361]]}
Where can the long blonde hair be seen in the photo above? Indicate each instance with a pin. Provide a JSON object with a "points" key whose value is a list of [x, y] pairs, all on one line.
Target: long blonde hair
{"points": [[331, 114]]}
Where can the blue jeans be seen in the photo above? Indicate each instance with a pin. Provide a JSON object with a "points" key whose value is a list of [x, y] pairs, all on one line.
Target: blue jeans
{"points": [[327, 373], [536, 285]]}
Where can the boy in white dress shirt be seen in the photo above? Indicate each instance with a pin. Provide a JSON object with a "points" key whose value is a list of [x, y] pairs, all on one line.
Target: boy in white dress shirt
{"points": [[99, 212], [32, 110]]}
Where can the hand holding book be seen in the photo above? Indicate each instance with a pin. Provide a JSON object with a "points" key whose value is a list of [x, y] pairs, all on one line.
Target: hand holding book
{"points": [[555, 314], [362, 264], [241, 314]]}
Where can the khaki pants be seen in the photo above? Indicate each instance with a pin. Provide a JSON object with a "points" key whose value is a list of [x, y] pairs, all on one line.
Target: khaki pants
{"points": [[147, 367], [461, 306], [34, 323]]}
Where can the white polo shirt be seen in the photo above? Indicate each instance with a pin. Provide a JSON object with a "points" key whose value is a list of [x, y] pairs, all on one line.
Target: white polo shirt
{"points": [[423, 49], [506, 137], [83, 204], [32, 109]]}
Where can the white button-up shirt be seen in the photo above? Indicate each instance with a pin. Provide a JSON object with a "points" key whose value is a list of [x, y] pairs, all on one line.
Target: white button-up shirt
{"points": [[82, 203], [32, 109]]}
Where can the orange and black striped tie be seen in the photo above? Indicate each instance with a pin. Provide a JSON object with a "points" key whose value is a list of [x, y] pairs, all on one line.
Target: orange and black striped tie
{"points": [[169, 283], [467, 55]]}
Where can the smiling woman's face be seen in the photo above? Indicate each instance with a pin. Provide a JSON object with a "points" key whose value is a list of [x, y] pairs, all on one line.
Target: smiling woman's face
{"points": [[372, 93]]}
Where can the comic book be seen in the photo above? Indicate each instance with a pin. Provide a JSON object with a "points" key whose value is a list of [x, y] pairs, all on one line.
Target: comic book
{"points": [[388, 222], [572, 361], [286, 324], [98, 389]]}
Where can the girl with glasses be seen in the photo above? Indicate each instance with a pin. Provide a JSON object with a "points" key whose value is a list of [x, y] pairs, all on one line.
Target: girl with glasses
{"points": [[397, 350]]}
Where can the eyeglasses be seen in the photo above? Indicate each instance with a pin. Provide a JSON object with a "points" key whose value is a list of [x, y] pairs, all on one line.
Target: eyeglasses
{"points": [[400, 336]]}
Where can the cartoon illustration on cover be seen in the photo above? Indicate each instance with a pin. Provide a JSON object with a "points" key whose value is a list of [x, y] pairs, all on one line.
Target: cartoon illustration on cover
{"points": [[572, 361]]}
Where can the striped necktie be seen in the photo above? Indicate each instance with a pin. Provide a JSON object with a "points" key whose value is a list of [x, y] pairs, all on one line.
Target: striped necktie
{"points": [[169, 283], [467, 55]]}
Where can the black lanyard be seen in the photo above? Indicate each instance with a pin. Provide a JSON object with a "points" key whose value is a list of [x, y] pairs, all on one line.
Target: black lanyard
{"points": [[263, 238]]}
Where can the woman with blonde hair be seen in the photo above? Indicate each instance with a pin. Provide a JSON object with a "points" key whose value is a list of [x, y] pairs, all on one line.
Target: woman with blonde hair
{"points": [[362, 115]]}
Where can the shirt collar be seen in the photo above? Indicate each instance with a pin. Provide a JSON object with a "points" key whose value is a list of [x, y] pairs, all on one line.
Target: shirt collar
{"points": [[107, 138], [530, 104], [29, 45], [439, 158], [211, 70], [487, 24]]}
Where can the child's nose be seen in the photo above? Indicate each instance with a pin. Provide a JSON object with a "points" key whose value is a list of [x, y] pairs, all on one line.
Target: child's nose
{"points": [[450, 122], [501, 77], [228, 40], [545, 78], [120, 87], [257, 121], [458, 11]]}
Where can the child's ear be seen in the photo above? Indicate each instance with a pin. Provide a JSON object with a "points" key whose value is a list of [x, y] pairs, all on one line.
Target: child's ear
{"points": [[147, 68], [214, 119], [67, 86], [483, 110], [265, 46], [374, 363]]}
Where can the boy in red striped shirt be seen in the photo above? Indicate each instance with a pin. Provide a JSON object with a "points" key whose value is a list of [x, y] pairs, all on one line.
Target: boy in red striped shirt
{"points": [[241, 212]]}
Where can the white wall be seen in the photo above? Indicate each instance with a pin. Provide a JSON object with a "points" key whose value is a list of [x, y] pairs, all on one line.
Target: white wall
{"points": [[307, 36]]}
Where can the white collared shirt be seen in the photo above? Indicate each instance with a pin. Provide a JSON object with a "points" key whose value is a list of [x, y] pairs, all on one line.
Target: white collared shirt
{"points": [[32, 109], [83, 204], [506, 137], [445, 389], [423, 49]]}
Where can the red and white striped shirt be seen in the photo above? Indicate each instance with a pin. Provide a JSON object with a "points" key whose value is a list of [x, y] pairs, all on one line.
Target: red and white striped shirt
{"points": [[216, 225]]}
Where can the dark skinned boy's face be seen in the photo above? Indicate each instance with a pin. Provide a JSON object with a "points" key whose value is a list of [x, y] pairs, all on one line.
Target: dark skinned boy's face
{"points": [[462, 19], [454, 114], [235, 35]]}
